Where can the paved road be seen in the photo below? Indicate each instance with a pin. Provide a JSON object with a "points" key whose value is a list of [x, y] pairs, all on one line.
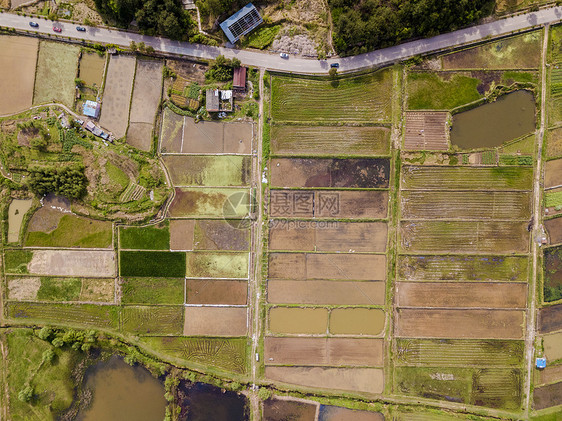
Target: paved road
{"points": [[294, 64]]}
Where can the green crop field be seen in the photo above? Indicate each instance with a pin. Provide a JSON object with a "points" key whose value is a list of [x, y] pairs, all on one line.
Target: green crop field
{"points": [[217, 265], [65, 314], [73, 231], [59, 289], [430, 91], [361, 98], [152, 263], [152, 237], [15, 261], [226, 354], [153, 320], [57, 67], [555, 102], [200, 170], [555, 47], [152, 290]]}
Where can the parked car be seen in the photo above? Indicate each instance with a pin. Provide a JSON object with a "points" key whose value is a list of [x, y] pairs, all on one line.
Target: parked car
{"points": [[81, 29], [34, 24], [57, 29], [336, 65], [284, 55]]}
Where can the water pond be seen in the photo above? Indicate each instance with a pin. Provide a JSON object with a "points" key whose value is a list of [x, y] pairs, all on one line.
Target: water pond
{"points": [[490, 125]]}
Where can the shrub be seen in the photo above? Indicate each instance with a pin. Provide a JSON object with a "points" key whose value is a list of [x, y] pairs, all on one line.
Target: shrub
{"points": [[26, 394]]}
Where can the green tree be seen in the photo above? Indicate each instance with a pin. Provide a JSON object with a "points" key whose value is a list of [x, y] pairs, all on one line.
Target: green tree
{"points": [[26, 393]]}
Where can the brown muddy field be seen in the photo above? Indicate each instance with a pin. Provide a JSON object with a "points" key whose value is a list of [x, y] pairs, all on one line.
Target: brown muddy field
{"points": [[181, 234], [356, 173], [464, 236], [79, 263], [205, 170], [216, 137], [463, 268], [335, 413], [205, 203], [553, 173], [288, 410], [554, 229], [324, 351], [550, 374], [459, 324], [547, 396], [550, 318], [206, 291], [369, 380], [296, 320], [189, 234], [139, 135], [352, 267], [356, 321], [417, 204], [147, 91], [329, 204], [465, 294], [329, 236], [172, 132], [215, 321], [426, 130], [326, 292], [18, 58], [553, 346]]}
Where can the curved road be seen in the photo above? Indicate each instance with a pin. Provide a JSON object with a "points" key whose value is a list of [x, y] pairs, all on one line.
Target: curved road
{"points": [[294, 64]]}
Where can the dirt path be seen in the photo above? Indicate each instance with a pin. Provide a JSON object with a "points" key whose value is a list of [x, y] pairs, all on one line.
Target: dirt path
{"points": [[531, 329], [5, 400]]}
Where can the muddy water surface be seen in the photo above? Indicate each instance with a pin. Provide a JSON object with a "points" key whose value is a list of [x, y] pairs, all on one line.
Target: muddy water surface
{"points": [[18, 208], [490, 125]]}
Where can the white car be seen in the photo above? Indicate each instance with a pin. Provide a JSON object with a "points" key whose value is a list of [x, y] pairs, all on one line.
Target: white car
{"points": [[284, 55]]}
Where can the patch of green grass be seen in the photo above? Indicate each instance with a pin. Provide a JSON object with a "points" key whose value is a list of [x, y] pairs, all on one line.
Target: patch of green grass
{"points": [[365, 98], [117, 175], [152, 263], [553, 199], [510, 77], [153, 320], [153, 237], [52, 382], [15, 261], [263, 37], [225, 354], [516, 160], [65, 314], [431, 91], [73, 231], [554, 416], [217, 265], [552, 288], [152, 290], [59, 289], [555, 46], [524, 146]]}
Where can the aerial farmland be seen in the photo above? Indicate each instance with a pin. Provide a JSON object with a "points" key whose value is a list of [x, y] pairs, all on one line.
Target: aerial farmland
{"points": [[375, 245]]}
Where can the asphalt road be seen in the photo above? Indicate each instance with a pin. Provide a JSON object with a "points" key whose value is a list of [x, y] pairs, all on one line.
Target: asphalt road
{"points": [[294, 64]]}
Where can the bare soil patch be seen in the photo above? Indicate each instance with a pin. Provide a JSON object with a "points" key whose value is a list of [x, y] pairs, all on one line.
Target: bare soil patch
{"points": [[335, 413], [554, 142], [45, 219], [208, 203], [216, 137], [220, 235], [553, 173], [77, 263], [369, 380], [351, 267], [139, 135], [554, 229], [206, 291], [284, 410], [426, 130], [326, 292], [117, 94], [23, 288], [18, 58], [324, 351], [550, 374], [98, 289], [192, 71], [461, 294], [181, 234], [547, 396], [147, 91], [553, 346], [215, 321], [356, 321], [550, 318], [296, 320], [329, 203], [172, 132], [357, 173], [336, 236], [477, 324]]}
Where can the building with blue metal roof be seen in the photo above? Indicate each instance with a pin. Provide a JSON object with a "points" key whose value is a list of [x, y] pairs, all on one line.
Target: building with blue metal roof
{"points": [[91, 109], [242, 22]]}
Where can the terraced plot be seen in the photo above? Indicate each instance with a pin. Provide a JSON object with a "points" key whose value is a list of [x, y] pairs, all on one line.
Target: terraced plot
{"points": [[362, 98]]}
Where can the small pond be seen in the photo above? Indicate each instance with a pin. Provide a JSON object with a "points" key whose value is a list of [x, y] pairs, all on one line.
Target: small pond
{"points": [[121, 392], [490, 125], [203, 402]]}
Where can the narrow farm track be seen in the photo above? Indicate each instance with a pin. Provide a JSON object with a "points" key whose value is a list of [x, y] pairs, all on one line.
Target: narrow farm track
{"points": [[537, 224]]}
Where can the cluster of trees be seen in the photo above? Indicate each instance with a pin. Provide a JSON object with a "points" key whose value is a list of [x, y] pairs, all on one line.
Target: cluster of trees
{"points": [[222, 69], [154, 17], [366, 25], [69, 181]]}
